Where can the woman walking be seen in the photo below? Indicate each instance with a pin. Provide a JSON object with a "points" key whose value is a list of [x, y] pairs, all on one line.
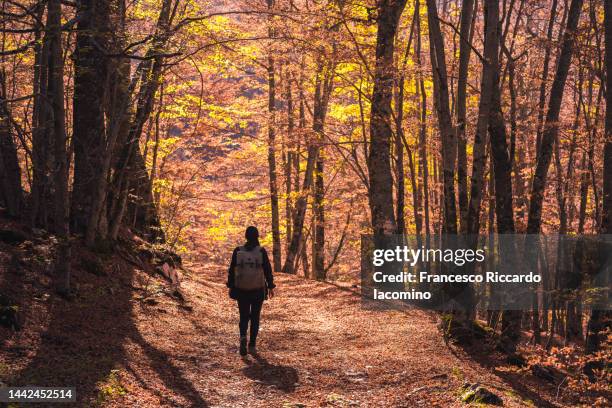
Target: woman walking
{"points": [[250, 282]]}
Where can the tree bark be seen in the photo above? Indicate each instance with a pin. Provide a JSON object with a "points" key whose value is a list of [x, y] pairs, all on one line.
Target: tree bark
{"points": [[300, 211], [41, 136], [399, 158], [544, 78], [606, 219], [551, 124], [276, 244], [323, 87], [502, 172], [292, 157], [318, 239], [465, 49], [380, 190], [91, 82], [600, 318], [60, 176], [502, 167], [401, 145], [491, 55], [10, 174], [131, 174], [447, 133], [422, 95], [117, 133], [584, 194]]}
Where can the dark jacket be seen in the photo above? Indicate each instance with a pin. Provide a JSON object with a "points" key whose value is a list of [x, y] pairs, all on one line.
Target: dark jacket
{"points": [[252, 294]]}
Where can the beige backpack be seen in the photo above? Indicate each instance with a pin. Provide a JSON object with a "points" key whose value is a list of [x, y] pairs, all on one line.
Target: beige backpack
{"points": [[249, 274]]}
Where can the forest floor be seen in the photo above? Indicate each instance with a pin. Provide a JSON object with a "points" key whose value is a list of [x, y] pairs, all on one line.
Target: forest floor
{"points": [[124, 342]]}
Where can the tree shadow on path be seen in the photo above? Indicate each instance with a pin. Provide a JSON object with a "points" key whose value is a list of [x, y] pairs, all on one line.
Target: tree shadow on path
{"points": [[282, 377], [171, 376], [83, 340], [490, 360]]}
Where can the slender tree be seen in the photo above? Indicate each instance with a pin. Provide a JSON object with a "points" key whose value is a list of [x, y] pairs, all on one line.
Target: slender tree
{"points": [[600, 318], [379, 160], [422, 95], [60, 177], [41, 133], [323, 87], [502, 169], [11, 191], [490, 63], [465, 50], [545, 73], [551, 124], [448, 138], [276, 244]]}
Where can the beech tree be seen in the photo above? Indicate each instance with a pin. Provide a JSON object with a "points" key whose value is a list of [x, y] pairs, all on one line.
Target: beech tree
{"points": [[379, 161], [600, 319], [10, 180], [551, 125]]}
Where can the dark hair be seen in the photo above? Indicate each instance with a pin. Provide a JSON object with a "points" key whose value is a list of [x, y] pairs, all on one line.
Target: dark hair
{"points": [[252, 235]]}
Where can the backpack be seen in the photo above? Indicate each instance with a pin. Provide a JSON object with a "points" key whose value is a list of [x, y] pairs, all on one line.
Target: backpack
{"points": [[249, 273]]}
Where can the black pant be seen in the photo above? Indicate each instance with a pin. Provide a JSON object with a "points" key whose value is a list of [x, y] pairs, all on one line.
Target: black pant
{"points": [[250, 309]]}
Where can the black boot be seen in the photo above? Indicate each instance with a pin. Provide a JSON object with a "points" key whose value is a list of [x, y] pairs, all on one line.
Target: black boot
{"points": [[243, 346], [252, 347]]}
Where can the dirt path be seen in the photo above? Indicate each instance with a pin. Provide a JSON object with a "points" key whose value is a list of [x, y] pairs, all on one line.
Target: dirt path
{"points": [[318, 347]]}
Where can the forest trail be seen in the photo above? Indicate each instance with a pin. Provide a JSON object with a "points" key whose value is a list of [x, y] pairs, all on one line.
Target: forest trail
{"points": [[317, 347]]}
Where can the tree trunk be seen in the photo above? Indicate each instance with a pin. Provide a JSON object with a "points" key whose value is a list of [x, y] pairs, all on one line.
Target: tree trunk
{"points": [[399, 157], [501, 162], [318, 259], [156, 141], [600, 318], [491, 55], [559, 188], [543, 80], [292, 157], [91, 82], [551, 125], [422, 95], [130, 169], [380, 190], [513, 112], [41, 136], [606, 219], [276, 244], [318, 238], [10, 176], [56, 95], [120, 112], [321, 99], [465, 49], [447, 134], [490, 193], [400, 144], [584, 194], [118, 131], [502, 172], [300, 211], [142, 209]]}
